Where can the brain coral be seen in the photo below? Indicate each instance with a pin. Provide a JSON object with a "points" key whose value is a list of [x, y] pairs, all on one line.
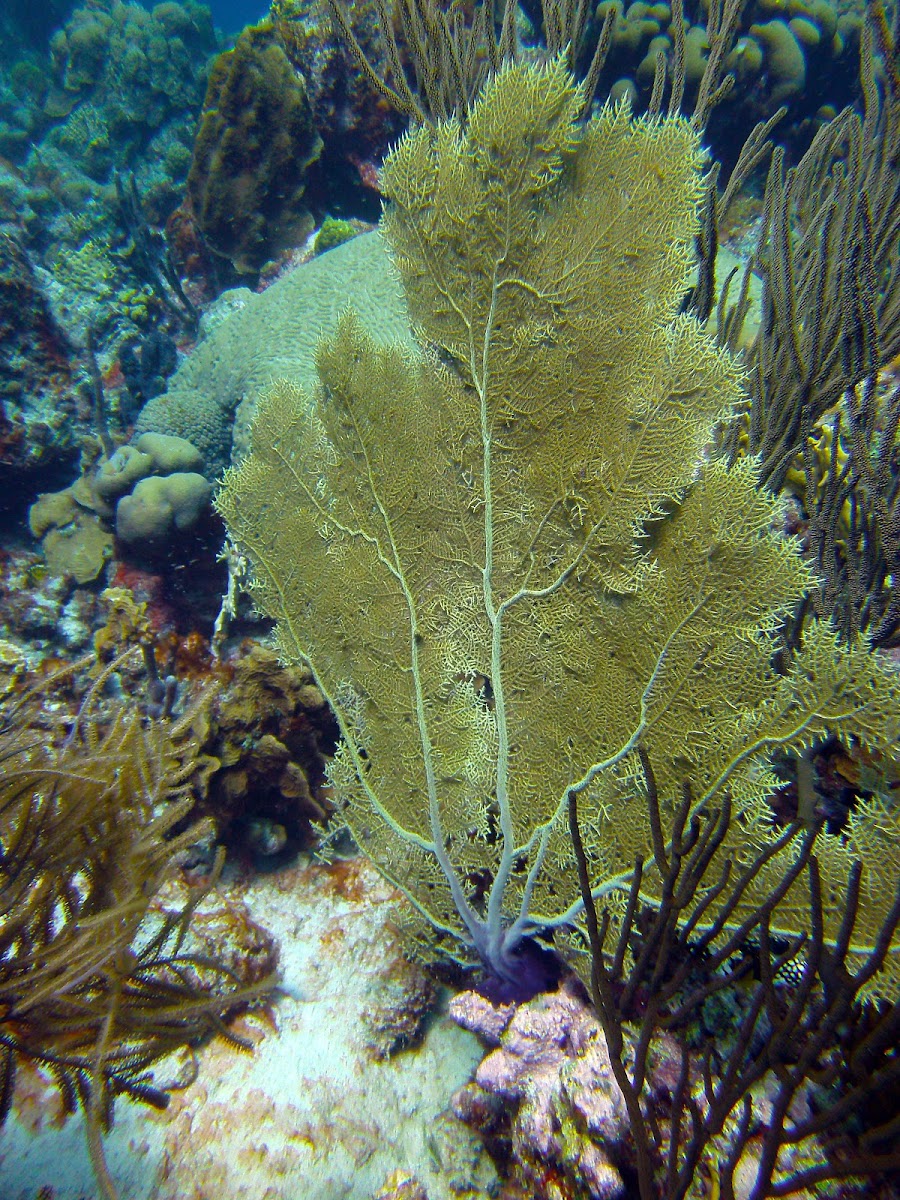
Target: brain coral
{"points": [[274, 335]]}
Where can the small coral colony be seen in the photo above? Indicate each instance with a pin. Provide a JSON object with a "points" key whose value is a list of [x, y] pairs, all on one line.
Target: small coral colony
{"points": [[461, 438]]}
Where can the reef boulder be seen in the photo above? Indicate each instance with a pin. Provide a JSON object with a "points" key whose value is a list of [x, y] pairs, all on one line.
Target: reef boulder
{"points": [[253, 153]]}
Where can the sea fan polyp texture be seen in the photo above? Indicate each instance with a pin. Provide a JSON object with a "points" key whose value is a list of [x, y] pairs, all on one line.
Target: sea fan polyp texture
{"points": [[508, 559]]}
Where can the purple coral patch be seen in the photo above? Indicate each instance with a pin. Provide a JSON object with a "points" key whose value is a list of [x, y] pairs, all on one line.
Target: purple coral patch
{"points": [[551, 1066]]}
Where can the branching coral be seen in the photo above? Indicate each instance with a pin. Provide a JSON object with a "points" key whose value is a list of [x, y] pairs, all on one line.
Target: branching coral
{"points": [[95, 986], [775, 1094], [827, 254]]}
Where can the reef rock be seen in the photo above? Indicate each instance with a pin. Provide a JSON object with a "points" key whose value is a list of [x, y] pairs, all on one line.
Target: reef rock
{"points": [[551, 1068]]}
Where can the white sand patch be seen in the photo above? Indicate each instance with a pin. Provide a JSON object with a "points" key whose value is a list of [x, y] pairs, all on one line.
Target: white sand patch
{"points": [[310, 1114]]}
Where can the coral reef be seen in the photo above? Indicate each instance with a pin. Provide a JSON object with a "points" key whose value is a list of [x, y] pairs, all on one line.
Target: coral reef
{"points": [[150, 454], [822, 392], [149, 493], [546, 1102], [129, 81], [24, 78], [547, 1087], [264, 738], [37, 388], [311, 1112], [212, 397], [74, 540], [356, 125], [474, 538], [270, 732], [43, 615], [502, 711], [801, 53], [753, 1038], [118, 90], [122, 89], [253, 154], [95, 989]]}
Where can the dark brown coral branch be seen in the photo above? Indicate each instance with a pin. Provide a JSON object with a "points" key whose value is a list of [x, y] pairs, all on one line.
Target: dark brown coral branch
{"points": [[828, 255], [439, 57], [813, 1031], [447, 56]]}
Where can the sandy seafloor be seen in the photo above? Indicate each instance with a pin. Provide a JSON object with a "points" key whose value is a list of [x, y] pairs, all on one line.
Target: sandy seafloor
{"points": [[311, 1112]]}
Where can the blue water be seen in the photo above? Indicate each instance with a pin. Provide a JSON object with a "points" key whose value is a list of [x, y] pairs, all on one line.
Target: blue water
{"points": [[229, 15], [232, 15]]}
